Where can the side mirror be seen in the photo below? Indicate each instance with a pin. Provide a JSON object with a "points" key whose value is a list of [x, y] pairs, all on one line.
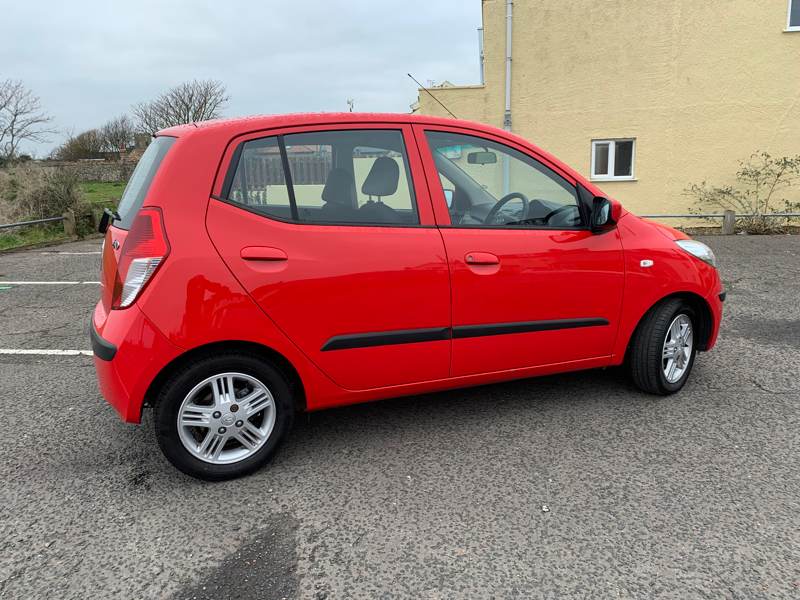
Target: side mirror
{"points": [[601, 218], [481, 158], [448, 196]]}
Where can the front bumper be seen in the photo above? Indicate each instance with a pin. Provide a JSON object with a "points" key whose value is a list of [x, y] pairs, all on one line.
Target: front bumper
{"points": [[128, 354]]}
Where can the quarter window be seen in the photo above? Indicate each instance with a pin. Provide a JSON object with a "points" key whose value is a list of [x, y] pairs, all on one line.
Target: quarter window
{"points": [[793, 22], [489, 184], [347, 176], [612, 159]]}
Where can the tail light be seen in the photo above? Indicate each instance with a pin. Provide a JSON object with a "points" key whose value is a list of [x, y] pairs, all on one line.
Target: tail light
{"points": [[145, 249]]}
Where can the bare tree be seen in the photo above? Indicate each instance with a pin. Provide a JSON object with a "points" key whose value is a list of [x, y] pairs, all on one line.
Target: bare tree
{"points": [[186, 103], [21, 118], [117, 134]]}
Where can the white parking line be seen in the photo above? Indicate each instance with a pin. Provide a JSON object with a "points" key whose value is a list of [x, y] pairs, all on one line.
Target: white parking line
{"points": [[71, 253], [49, 283], [46, 352]]}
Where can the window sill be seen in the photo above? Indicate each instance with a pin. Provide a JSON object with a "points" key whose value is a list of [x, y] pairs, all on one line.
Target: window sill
{"points": [[607, 179], [792, 30]]}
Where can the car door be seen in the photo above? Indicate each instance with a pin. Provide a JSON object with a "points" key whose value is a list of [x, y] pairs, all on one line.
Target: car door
{"points": [[325, 229], [531, 284]]}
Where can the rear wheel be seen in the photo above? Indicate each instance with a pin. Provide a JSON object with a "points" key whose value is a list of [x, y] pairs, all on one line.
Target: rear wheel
{"points": [[663, 348], [223, 416]]}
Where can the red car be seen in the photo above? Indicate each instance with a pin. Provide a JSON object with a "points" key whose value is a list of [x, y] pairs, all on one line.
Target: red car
{"points": [[262, 266]]}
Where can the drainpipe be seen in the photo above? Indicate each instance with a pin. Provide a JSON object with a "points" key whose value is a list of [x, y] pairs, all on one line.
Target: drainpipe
{"points": [[507, 113], [480, 52], [509, 18]]}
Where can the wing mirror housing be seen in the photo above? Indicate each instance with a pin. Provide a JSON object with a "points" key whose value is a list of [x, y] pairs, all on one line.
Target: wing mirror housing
{"points": [[603, 214]]}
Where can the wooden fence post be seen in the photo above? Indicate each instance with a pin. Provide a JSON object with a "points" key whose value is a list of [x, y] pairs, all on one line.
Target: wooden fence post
{"points": [[69, 223], [728, 222]]}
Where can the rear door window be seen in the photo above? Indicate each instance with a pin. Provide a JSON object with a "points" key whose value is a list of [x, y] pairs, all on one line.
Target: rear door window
{"points": [[341, 176], [139, 183]]}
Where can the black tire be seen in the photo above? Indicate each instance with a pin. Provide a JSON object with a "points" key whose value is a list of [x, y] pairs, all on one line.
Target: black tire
{"points": [[180, 383], [645, 355]]}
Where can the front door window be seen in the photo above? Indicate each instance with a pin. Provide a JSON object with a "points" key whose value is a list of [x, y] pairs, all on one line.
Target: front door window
{"points": [[497, 186]]}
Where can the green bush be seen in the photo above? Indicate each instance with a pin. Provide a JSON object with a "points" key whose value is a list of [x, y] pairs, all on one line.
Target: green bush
{"points": [[761, 184], [35, 193]]}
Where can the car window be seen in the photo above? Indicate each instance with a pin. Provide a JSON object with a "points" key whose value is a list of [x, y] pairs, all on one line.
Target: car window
{"points": [[498, 186], [258, 182], [342, 176], [140, 180]]}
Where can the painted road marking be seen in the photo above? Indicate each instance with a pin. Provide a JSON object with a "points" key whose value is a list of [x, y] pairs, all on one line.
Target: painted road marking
{"points": [[49, 283], [73, 253], [46, 352]]}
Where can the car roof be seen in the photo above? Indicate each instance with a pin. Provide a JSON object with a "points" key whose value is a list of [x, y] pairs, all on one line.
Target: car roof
{"points": [[237, 125]]}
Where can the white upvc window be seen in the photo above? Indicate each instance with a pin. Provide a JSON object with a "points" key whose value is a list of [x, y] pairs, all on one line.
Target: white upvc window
{"points": [[793, 18], [612, 160]]}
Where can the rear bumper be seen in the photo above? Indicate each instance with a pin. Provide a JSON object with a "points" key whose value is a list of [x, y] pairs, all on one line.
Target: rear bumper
{"points": [[128, 354], [102, 349]]}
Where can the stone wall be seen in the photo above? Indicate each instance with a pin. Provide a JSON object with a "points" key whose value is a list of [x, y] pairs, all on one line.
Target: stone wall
{"points": [[91, 170]]}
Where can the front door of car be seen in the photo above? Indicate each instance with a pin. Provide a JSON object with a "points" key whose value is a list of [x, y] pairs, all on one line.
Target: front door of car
{"points": [[531, 285], [327, 232]]}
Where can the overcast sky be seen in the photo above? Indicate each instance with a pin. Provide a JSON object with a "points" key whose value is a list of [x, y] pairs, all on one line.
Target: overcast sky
{"points": [[90, 60]]}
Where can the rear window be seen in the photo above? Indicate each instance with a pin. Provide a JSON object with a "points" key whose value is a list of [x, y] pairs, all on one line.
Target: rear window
{"points": [[142, 177]]}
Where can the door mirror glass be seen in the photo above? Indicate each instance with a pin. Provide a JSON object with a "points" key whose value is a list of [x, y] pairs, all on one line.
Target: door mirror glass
{"points": [[481, 158], [601, 213], [448, 196]]}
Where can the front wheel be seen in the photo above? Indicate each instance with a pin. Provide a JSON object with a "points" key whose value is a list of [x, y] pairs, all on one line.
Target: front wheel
{"points": [[663, 348], [221, 417]]}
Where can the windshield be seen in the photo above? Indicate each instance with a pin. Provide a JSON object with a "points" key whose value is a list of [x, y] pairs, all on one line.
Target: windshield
{"points": [[142, 177]]}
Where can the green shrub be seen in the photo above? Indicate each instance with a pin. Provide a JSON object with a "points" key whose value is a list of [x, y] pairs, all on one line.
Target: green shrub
{"points": [[761, 184]]}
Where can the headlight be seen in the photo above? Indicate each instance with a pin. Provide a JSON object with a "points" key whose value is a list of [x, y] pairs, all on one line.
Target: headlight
{"points": [[698, 249]]}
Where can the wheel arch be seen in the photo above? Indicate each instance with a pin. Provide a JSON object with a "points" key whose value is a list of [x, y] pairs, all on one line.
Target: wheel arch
{"points": [[701, 309], [215, 348]]}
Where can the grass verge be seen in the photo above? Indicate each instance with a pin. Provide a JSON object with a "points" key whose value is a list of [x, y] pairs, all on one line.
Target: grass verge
{"points": [[101, 193], [28, 236]]}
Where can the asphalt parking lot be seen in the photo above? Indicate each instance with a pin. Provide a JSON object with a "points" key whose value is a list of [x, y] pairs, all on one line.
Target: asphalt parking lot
{"points": [[575, 486]]}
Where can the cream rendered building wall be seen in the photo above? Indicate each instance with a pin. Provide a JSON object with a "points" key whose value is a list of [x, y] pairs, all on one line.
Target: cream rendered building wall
{"points": [[698, 84]]}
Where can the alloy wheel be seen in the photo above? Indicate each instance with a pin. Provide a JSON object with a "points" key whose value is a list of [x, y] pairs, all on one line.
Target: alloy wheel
{"points": [[226, 418], [677, 350]]}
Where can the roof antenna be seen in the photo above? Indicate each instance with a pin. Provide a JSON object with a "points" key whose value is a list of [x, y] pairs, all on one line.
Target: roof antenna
{"points": [[422, 87]]}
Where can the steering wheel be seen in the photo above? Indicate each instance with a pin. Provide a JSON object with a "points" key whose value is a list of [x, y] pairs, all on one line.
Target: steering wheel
{"points": [[560, 209], [492, 215]]}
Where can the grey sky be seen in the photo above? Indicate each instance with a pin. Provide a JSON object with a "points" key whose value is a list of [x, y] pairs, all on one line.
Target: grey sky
{"points": [[90, 60]]}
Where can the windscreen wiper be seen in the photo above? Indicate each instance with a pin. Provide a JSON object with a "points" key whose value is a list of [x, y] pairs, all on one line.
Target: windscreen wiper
{"points": [[109, 216]]}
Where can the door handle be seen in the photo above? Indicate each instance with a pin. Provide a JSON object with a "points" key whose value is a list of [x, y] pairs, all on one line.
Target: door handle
{"points": [[481, 258], [264, 253]]}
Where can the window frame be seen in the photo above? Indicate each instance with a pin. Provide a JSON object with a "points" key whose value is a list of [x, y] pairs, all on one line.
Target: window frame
{"points": [[789, 26], [232, 154], [437, 189], [612, 145]]}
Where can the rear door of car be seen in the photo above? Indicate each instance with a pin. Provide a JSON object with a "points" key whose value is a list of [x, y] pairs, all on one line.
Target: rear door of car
{"points": [[325, 229]]}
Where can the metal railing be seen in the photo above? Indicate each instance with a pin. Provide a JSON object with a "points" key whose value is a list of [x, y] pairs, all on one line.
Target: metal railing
{"points": [[722, 216], [34, 222], [728, 219]]}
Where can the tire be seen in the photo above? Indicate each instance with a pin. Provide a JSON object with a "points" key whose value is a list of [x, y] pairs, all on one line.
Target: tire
{"points": [[648, 348], [240, 442]]}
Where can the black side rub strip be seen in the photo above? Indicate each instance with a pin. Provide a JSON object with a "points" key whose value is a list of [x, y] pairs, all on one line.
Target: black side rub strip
{"points": [[412, 336], [468, 331], [386, 338], [102, 349]]}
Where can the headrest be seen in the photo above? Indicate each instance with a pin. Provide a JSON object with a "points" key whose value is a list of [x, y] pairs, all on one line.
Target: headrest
{"points": [[382, 179], [338, 187]]}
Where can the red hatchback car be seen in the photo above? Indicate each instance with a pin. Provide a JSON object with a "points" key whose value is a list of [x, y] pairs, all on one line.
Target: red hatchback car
{"points": [[262, 266]]}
